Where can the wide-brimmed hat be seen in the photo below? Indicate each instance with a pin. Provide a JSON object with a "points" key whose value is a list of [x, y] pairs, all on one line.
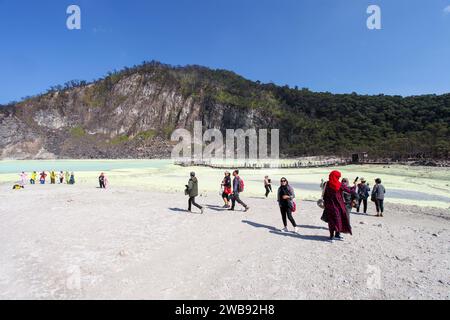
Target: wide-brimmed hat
{"points": [[363, 180]]}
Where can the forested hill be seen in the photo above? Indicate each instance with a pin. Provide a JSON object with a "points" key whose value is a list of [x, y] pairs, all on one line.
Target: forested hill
{"points": [[131, 113]]}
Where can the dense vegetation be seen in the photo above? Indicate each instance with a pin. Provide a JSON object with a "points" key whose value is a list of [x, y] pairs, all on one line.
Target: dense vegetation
{"points": [[310, 123]]}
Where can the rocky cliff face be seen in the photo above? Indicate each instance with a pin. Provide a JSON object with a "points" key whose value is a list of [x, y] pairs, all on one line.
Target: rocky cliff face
{"points": [[132, 113], [123, 116]]}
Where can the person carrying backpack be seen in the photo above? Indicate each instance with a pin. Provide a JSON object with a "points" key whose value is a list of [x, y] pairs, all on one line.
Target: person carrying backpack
{"points": [[192, 192], [238, 187], [286, 196]]}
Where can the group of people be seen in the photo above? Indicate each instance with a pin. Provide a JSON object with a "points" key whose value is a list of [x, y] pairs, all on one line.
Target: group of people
{"points": [[230, 191], [61, 177], [338, 199]]}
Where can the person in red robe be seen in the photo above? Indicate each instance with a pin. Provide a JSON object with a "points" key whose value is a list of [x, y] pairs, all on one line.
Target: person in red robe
{"points": [[335, 209]]}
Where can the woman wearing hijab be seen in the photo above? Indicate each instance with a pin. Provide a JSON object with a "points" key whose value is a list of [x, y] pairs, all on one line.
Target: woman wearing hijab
{"points": [[335, 208], [286, 196]]}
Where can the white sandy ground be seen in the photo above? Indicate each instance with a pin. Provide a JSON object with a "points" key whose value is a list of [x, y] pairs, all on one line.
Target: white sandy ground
{"points": [[80, 242]]}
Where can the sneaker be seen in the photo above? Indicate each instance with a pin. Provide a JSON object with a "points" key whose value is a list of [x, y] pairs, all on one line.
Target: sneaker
{"points": [[246, 209], [330, 240], [339, 237], [284, 229], [231, 209], [296, 230], [381, 215]]}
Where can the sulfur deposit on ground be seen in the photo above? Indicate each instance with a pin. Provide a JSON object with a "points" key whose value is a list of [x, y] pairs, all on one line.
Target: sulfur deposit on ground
{"points": [[80, 242]]}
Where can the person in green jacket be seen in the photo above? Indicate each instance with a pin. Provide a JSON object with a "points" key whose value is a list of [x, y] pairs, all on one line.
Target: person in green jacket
{"points": [[192, 192]]}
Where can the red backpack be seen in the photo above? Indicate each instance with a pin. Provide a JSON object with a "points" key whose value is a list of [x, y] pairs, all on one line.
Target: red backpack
{"points": [[241, 185]]}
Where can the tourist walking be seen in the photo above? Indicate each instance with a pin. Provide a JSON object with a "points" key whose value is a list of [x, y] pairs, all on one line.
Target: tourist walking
{"points": [[267, 185], [192, 192], [226, 189], [378, 197], [238, 187], [286, 196], [363, 195], [335, 210]]}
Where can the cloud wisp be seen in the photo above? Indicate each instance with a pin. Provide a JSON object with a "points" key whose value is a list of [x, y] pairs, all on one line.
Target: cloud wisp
{"points": [[447, 10]]}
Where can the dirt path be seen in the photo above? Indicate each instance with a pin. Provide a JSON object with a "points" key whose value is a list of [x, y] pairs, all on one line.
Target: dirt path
{"points": [[75, 242]]}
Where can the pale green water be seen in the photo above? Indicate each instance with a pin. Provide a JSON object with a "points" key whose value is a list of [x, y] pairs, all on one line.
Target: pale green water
{"points": [[421, 186], [78, 165]]}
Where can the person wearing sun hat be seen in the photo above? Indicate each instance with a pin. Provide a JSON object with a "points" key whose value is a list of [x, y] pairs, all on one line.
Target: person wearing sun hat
{"points": [[363, 195]]}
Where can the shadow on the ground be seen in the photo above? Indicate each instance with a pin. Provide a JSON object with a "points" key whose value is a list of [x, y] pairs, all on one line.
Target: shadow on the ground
{"points": [[301, 236], [276, 231], [178, 210], [312, 227], [259, 225], [363, 214], [216, 208]]}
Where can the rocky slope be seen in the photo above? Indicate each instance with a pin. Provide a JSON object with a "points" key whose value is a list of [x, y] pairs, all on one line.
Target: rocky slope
{"points": [[131, 114]]}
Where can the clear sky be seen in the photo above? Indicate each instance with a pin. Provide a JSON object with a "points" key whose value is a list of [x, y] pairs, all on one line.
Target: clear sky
{"points": [[323, 45]]}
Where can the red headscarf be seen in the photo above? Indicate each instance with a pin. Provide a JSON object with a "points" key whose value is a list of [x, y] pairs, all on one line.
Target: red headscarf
{"points": [[333, 180]]}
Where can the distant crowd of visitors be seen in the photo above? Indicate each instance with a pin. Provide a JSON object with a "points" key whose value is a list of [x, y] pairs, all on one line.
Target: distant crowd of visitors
{"points": [[337, 201]]}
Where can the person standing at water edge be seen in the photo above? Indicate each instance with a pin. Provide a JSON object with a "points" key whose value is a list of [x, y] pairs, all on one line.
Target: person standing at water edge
{"points": [[23, 179], [363, 195], [335, 209], [285, 197], [378, 197], [67, 176], [42, 177], [52, 177], [226, 189], [33, 177], [267, 185], [192, 192], [238, 187], [103, 181], [72, 178], [61, 177]]}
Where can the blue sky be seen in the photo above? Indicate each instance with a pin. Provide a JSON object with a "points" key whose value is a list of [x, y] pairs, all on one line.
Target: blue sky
{"points": [[323, 45]]}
